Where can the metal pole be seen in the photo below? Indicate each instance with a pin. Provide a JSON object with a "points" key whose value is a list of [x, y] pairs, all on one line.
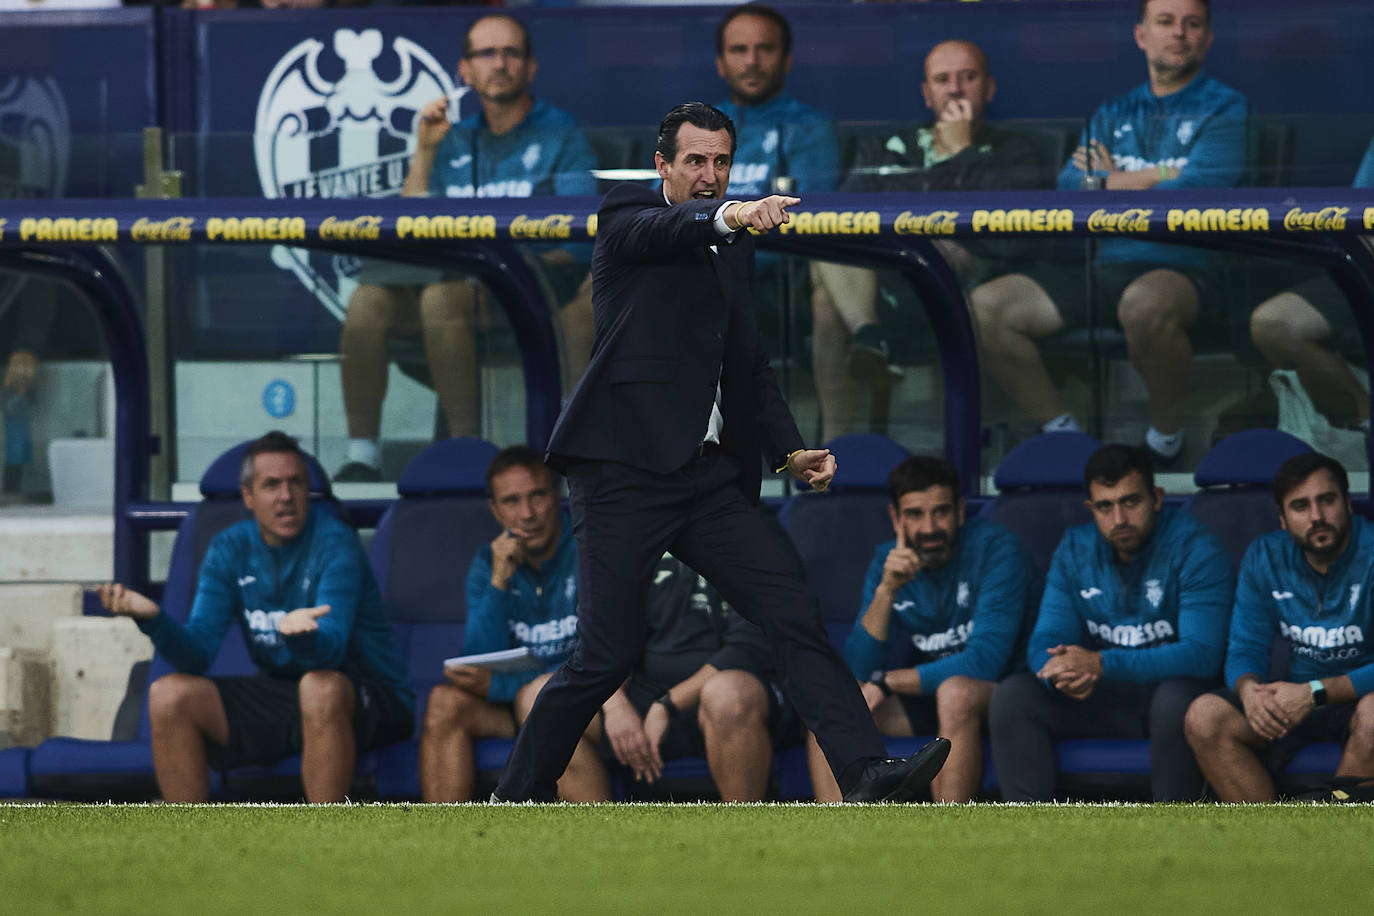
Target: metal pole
{"points": [[159, 184]]}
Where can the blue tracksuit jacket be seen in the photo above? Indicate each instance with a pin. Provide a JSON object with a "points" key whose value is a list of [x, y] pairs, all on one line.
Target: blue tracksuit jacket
{"points": [[1162, 615]]}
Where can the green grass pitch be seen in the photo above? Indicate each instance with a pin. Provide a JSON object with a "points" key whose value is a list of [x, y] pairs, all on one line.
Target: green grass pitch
{"points": [[713, 859]]}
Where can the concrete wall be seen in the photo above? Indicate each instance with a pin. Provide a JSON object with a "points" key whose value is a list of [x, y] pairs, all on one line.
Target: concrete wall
{"points": [[60, 673]]}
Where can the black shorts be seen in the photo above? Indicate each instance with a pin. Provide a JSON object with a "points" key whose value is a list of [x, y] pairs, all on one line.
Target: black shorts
{"points": [[920, 712], [684, 737], [1326, 297], [1329, 723], [264, 716], [1067, 286]]}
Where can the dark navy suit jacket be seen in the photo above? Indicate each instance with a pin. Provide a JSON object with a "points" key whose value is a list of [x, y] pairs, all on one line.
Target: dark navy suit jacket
{"points": [[671, 318]]}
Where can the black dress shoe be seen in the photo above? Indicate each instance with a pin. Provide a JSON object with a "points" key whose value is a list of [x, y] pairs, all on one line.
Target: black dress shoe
{"points": [[900, 779]]}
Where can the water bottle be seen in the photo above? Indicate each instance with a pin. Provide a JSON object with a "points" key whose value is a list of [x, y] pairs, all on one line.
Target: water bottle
{"points": [[1091, 181], [18, 431]]}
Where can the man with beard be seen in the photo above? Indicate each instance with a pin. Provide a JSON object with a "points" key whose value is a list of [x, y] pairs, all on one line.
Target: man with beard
{"points": [[1132, 628], [517, 145], [1180, 129], [778, 136], [1307, 586], [958, 592]]}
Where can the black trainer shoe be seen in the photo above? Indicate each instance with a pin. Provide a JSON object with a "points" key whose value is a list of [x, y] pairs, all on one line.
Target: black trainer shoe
{"points": [[357, 472], [869, 359], [1164, 463], [900, 779]]}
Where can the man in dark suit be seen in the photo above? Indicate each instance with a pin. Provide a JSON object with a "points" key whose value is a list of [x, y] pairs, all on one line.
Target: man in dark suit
{"points": [[661, 444]]}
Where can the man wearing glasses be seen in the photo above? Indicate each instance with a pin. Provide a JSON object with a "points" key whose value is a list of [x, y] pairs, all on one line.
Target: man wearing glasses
{"points": [[516, 146]]}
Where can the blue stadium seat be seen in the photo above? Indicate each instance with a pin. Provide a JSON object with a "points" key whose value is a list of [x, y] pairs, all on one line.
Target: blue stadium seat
{"points": [[835, 532], [1234, 478], [64, 767], [420, 555], [1040, 491], [14, 772]]}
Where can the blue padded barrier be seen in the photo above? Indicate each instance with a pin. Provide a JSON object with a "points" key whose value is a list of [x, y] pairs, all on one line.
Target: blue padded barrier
{"points": [[14, 772]]}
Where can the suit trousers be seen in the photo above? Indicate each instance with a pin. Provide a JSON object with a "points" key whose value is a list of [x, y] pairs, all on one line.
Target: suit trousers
{"points": [[1027, 716], [624, 519]]}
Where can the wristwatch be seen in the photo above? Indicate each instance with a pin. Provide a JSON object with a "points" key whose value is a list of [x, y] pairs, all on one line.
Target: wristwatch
{"points": [[1318, 692], [879, 680], [667, 700]]}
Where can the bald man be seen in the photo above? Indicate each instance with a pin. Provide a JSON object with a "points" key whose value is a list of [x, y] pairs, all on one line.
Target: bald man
{"points": [[955, 152]]}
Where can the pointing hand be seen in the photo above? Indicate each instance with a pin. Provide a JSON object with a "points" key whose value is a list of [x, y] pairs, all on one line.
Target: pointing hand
{"points": [[302, 620]]}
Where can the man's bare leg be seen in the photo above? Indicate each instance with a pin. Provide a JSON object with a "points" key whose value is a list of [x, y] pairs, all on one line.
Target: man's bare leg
{"points": [[1291, 334], [329, 751], [1010, 314], [184, 711], [962, 706], [579, 330], [447, 315], [585, 779], [1155, 312], [372, 311], [733, 715], [1358, 757], [454, 720], [1225, 745], [843, 407]]}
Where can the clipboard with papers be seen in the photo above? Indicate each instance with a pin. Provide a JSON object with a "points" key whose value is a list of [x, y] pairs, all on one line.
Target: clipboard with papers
{"points": [[500, 662]]}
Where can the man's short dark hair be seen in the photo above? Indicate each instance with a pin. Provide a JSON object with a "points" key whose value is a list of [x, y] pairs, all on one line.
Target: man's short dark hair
{"points": [[515, 456], [1111, 464], [697, 114], [1293, 472], [1206, 6], [761, 11], [919, 473], [275, 442], [524, 32]]}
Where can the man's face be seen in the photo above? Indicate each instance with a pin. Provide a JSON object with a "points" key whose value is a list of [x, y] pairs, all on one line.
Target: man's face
{"points": [[277, 497], [956, 71], [1175, 36], [524, 502], [1317, 516], [928, 522], [1125, 512], [751, 60], [701, 168], [496, 63]]}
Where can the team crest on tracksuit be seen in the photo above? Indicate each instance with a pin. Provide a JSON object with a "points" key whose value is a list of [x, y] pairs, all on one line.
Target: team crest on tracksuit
{"points": [[337, 120], [35, 141]]}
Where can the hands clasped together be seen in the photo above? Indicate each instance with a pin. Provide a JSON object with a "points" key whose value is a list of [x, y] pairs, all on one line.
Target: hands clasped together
{"points": [[1072, 670]]}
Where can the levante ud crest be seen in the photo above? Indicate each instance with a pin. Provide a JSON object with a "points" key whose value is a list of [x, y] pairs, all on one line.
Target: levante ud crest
{"points": [[337, 120]]}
